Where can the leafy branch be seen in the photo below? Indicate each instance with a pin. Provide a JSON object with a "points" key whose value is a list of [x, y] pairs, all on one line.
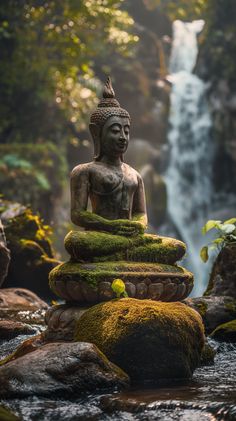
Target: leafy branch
{"points": [[226, 234]]}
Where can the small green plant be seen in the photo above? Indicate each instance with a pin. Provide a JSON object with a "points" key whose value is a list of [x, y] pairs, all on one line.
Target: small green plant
{"points": [[118, 286], [226, 234]]}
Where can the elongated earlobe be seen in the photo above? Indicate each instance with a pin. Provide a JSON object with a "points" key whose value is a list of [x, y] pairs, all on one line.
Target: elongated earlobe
{"points": [[95, 133]]}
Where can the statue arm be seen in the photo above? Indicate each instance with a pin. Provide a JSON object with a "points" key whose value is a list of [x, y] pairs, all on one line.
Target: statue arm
{"points": [[139, 212], [79, 183]]}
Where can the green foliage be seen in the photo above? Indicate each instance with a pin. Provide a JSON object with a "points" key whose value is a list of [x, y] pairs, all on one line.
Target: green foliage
{"points": [[47, 60], [118, 287], [226, 234], [219, 41], [31, 174], [180, 9]]}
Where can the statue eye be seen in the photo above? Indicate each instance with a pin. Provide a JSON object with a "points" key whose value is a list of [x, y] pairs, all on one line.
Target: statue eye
{"points": [[115, 130]]}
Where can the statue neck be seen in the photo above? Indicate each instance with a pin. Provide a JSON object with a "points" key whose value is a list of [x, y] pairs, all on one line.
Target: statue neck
{"points": [[111, 160]]}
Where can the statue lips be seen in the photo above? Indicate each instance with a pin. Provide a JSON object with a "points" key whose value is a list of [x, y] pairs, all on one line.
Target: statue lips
{"points": [[122, 145]]}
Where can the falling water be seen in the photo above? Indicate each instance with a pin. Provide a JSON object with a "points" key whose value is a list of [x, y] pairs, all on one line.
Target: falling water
{"points": [[188, 176]]}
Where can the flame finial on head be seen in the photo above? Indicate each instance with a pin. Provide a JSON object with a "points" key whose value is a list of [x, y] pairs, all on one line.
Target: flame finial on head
{"points": [[108, 106], [108, 91]]}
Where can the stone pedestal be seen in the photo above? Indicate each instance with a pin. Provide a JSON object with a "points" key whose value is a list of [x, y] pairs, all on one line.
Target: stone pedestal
{"points": [[145, 263]]}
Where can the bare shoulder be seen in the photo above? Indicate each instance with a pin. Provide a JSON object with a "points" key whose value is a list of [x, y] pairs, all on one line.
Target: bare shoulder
{"points": [[81, 170], [132, 171]]}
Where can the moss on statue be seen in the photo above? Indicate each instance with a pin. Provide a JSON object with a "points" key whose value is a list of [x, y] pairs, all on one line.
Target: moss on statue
{"points": [[92, 273], [166, 250], [225, 332], [100, 246], [149, 340]]}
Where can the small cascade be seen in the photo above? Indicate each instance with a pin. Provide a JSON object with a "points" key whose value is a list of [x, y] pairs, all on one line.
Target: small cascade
{"points": [[189, 173]]}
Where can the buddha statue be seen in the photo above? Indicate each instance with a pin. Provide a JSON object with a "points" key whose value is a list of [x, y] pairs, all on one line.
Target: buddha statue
{"points": [[112, 243]]}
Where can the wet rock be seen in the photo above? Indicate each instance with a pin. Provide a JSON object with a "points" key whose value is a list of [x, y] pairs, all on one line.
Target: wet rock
{"points": [[61, 322], [214, 310], [4, 255], [60, 369], [223, 276], [150, 340], [10, 329], [208, 354], [225, 332], [21, 305], [20, 299]]}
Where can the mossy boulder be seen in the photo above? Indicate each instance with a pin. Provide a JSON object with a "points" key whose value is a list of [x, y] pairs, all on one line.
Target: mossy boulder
{"points": [[94, 246], [151, 341], [91, 282], [225, 332], [32, 255]]}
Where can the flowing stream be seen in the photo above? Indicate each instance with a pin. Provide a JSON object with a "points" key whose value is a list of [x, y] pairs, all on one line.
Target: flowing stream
{"points": [[189, 172], [210, 395]]}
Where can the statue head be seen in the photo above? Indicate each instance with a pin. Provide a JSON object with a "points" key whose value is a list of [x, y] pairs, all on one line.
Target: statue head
{"points": [[109, 125]]}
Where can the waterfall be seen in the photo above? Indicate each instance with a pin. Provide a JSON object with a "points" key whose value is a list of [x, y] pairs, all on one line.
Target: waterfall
{"points": [[188, 176]]}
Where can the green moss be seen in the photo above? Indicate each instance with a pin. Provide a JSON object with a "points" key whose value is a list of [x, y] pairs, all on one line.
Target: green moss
{"points": [[87, 219], [100, 246], [147, 339], [225, 332], [231, 307], [7, 415], [208, 355], [27, 230], [202, 308], [86, 244], [165, 250], [93, 273]]}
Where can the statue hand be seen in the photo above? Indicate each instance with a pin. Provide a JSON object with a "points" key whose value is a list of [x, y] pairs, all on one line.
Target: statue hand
{"points": [[126, 227]]}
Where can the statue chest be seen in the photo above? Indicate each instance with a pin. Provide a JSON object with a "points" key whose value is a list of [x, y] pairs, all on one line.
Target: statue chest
{"points": [[111, 192], [106, 181]]}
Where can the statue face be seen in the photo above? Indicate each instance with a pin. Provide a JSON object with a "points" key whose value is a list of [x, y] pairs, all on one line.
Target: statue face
{"points": [[115, 136]]}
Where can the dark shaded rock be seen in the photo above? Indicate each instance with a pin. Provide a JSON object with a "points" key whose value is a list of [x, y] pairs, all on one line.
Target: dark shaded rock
{"points": [[225, 332], [223, 276], [4, 261], [10, 329], [60, 369], [214, 310], [32, 256], [4, 255], [150, 340], [208, 354]]}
